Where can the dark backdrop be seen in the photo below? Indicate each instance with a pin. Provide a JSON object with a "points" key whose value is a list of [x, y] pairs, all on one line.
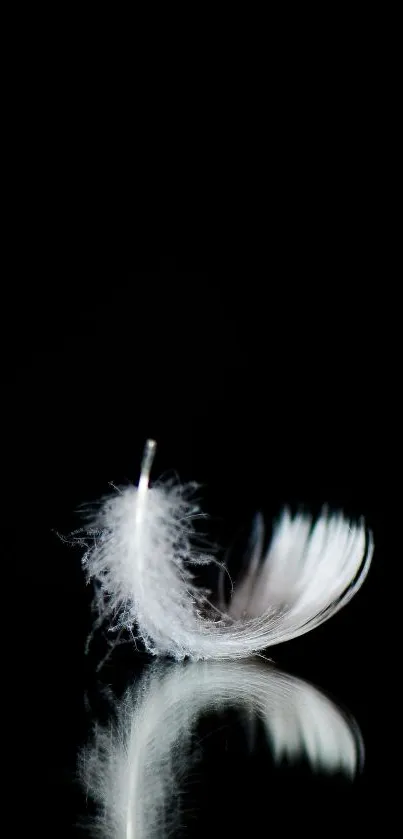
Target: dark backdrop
{"points": [[199, 245]]}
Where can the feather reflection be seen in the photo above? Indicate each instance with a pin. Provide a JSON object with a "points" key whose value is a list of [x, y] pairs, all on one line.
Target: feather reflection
{"points": [[135, 768]]}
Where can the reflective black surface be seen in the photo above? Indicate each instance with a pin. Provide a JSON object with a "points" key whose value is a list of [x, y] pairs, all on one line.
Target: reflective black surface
{"points": [[262, 398]]}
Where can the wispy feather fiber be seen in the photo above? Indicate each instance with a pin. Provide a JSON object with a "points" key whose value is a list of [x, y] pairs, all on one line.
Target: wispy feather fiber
{"points": [[142, 554]]}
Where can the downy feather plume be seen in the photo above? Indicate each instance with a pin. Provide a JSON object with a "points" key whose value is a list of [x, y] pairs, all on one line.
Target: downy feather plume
{"points": [[135, 769], [142, 553]]}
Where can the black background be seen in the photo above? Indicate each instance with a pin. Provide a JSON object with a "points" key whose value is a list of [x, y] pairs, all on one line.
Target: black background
{"points": [[216, 267]]}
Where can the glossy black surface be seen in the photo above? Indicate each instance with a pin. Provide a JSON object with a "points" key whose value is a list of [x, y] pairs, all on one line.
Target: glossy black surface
{"points": [[265, 397]]}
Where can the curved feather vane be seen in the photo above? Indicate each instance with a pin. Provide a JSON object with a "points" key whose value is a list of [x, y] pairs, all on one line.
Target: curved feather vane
{"points": [[143, 553], [135, 768]]}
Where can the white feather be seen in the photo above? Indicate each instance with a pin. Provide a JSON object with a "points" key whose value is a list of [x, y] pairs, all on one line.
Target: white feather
{"points": [[135, 769], [142, 555]]}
